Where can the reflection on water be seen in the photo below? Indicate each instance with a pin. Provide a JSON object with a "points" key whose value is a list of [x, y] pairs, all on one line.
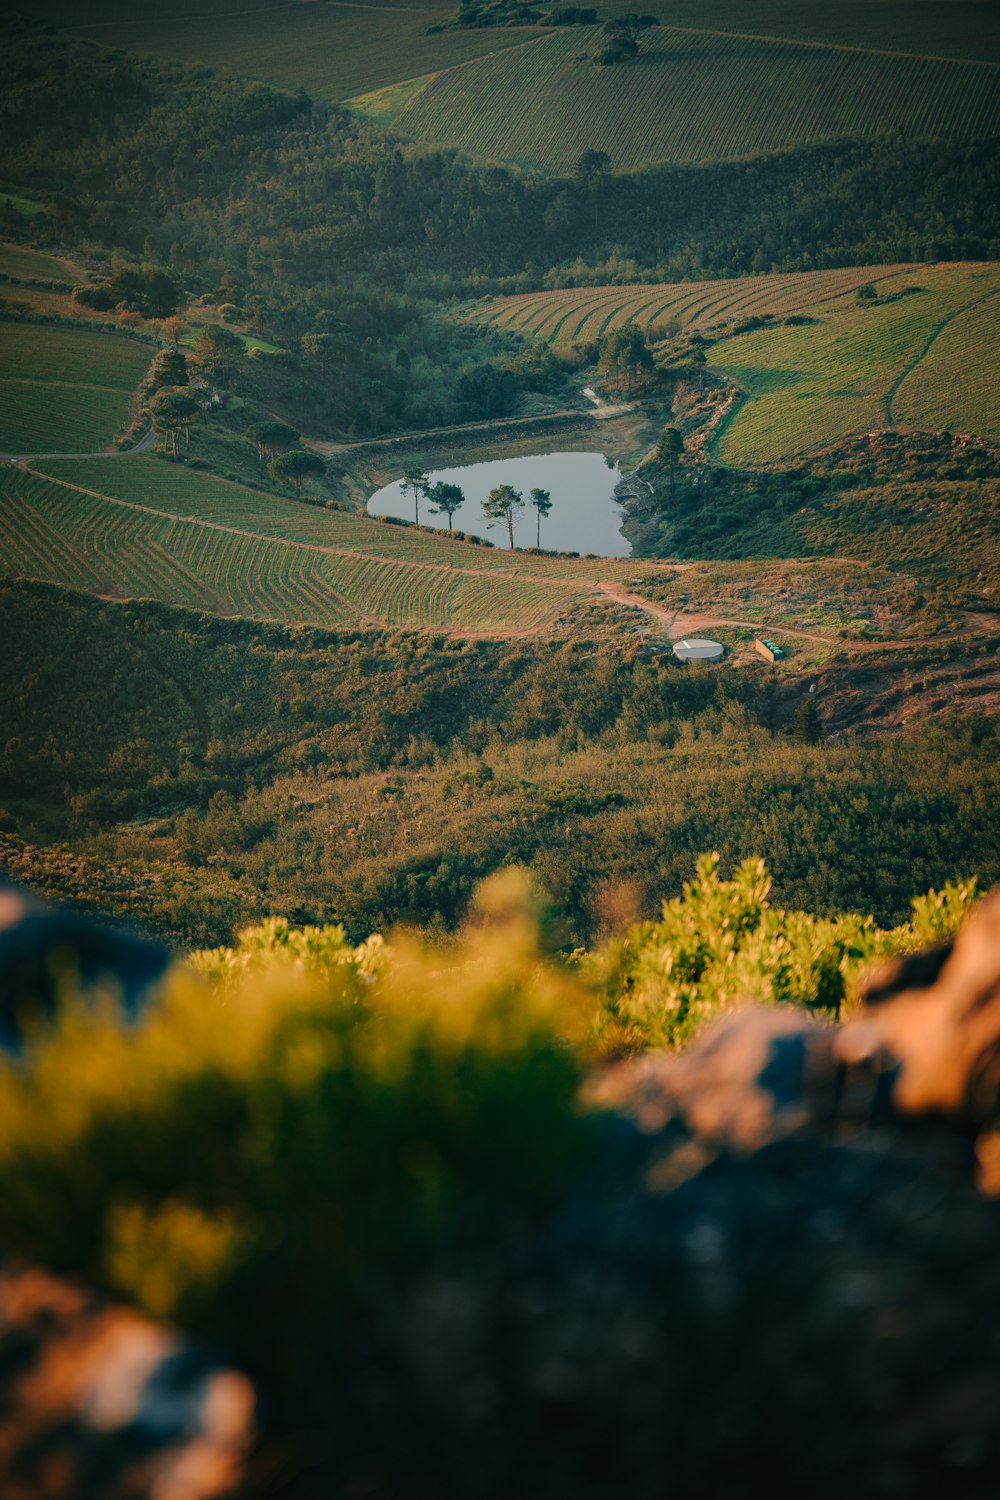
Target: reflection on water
{"points": [[584, 517]]}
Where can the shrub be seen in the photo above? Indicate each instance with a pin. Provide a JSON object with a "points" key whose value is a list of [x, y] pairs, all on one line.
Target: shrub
{"points": [[723, 944], [295, 1113]]}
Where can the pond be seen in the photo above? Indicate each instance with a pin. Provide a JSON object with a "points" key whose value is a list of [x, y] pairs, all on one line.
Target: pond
{"points": [[585, 517]]}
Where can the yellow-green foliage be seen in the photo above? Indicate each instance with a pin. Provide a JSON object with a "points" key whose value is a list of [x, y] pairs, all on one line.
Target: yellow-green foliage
{"points": [[723, 944], [297, 1123], [257, 1153]]}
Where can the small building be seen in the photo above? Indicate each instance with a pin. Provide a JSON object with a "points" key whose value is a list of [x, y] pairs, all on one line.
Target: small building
{"points": [[696, 649], [768, 650]]}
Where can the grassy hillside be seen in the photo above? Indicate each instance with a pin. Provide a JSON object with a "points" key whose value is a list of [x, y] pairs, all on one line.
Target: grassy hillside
{"points": [[858, 367], [370, 777], [690, 96], [64, 390], [582, 314], [19, 260]]}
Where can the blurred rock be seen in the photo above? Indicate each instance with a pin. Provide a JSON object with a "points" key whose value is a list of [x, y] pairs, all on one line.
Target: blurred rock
{"points": [[43, 948], [97, 1403]]}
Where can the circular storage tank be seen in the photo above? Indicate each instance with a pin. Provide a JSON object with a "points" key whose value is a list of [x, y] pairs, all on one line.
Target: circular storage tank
{"points": [[697, 649]]}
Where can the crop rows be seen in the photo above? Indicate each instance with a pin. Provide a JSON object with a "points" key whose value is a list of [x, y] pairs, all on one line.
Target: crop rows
{"points": [[51, 532], [582, 314], [333, 51], [693, 96], [189, 494]]}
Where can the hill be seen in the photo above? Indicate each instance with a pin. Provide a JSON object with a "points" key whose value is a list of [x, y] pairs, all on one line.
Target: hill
{"points": [[690, 96]]}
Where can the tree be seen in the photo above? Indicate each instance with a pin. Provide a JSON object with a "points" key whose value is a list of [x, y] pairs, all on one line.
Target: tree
{"points": [[445, 500], [169, 368], [295, 467], [542, 501], [807, 728], [219, 352], [621, 38], [501, 504], [668, 453], [415, 481], [170, 410], [322, 347], [269, 439], [591, 175], [173, 327]]}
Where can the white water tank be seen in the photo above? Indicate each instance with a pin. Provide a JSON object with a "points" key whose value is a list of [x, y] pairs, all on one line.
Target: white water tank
{"points": [[694, 648]]}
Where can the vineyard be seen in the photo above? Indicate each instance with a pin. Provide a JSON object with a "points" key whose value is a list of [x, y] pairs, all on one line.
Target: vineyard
{"points": [[60, 535], [583, 314], [64, 390], [180, 492], [860, 368], [691, 96]]}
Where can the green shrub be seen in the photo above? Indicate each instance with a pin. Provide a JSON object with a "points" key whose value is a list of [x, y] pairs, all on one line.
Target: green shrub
{"points": [[722, 944], [295, 1124]]}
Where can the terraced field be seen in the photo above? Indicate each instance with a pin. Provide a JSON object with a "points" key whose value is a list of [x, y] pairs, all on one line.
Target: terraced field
{"points": [[691, 96], [65, 390], [582, 314], [58, 534], [926, 358]]}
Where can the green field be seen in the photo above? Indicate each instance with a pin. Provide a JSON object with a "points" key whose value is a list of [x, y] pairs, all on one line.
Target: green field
{"points": [[59, 535], [44, 418], [71, 356], [582, 314], [942, 28], [33, 265], [956, 383], [29, 207], [65, 390], [691, 96], [927, 359], [333, 50]]}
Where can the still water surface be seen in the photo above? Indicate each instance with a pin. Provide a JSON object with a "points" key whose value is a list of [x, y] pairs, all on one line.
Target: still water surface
{"points": [[585, 516]]}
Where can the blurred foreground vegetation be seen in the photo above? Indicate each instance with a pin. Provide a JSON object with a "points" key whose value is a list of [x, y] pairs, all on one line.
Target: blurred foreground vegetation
{"points": [[296, 1124]]}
